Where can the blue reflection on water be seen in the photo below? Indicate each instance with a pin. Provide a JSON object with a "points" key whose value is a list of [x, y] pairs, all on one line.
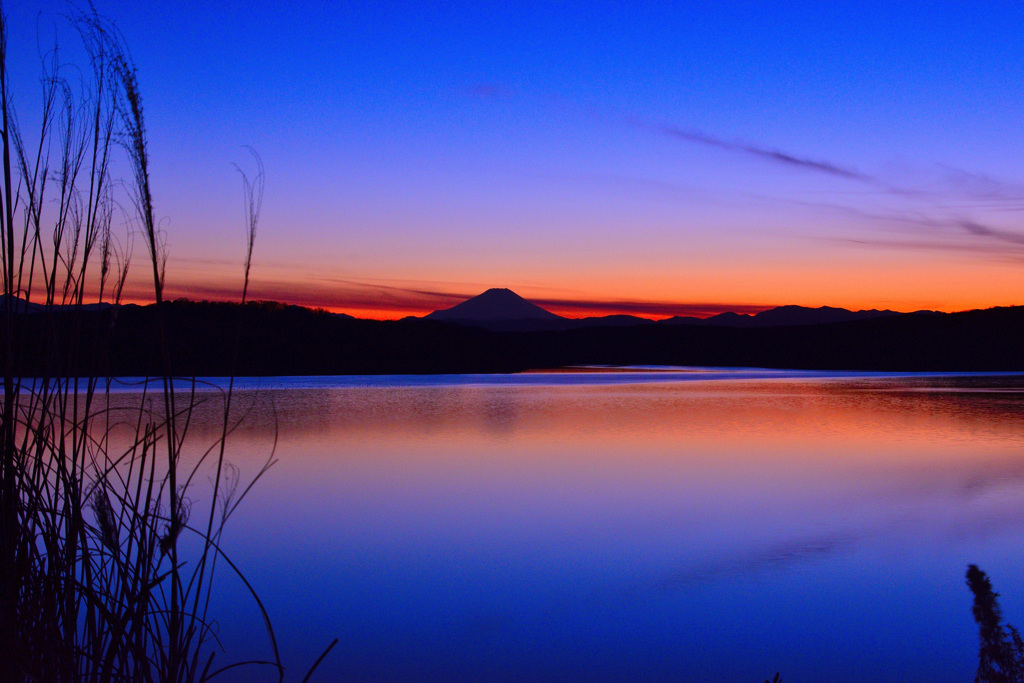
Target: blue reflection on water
{"points": [[625, 524], [571, 376]]}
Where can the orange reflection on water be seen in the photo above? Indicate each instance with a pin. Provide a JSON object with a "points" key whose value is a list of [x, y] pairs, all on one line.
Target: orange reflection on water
{"points": [[851, 423], [695, 504]]}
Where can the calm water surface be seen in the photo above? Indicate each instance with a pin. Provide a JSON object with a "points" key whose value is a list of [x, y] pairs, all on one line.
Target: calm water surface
{"points": [[702, 526]]}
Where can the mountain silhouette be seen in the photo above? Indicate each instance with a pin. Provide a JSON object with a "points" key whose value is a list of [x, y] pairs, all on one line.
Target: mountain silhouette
{"points": [[782, 316], [19, 305], [505, 311], [495, 305]]}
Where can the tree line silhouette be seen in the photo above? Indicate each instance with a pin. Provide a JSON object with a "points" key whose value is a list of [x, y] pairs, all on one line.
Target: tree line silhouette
{"points": [[266, 338]]}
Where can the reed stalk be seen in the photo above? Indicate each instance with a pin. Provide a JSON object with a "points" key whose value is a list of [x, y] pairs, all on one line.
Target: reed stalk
{"points": [[103, 575]]}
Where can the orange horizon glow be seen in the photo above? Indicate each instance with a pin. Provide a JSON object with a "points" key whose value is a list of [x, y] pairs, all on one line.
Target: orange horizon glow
{"points": [[589, 191], [702, 287]]}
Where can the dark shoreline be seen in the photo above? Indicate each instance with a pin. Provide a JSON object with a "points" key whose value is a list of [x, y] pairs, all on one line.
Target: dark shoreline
{"points": [[266, 339]]}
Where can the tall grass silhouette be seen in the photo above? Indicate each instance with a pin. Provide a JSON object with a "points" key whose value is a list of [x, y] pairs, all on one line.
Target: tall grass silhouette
{"points": [[110, 537]]}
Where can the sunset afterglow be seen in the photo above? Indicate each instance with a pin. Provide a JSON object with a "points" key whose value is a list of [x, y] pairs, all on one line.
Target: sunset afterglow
{"points": [[653, 160]]}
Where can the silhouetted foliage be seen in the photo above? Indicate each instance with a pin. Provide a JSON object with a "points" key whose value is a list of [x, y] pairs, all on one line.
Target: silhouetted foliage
{"points": [[280, 339], [1000, 649], [97, 497]]}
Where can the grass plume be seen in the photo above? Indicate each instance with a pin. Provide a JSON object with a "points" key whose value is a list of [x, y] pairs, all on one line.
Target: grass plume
{"points": [[104, 574]]}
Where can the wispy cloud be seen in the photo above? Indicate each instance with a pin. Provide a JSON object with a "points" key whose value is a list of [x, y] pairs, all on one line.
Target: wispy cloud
{"points": [[910, 244], [925, 209], [939, 207], [495, 91], [992, 233], [919, 228], [982, 187], [645, 308], [785, 158], [767, 154], [329, 293]]}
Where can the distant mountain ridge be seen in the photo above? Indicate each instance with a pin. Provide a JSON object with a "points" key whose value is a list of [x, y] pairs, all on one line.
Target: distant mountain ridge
{"points": [[784, 315], [19, 305], [502, 309]]}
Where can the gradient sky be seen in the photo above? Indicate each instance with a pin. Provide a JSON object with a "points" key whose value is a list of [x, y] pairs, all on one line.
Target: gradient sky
{"points": [[649, 158]]}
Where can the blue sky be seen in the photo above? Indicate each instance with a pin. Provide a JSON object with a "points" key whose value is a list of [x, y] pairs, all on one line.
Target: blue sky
{"points": [[713, 155]]}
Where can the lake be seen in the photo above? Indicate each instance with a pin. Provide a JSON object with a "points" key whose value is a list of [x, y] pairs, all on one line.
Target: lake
{"points": [[603, 525]]}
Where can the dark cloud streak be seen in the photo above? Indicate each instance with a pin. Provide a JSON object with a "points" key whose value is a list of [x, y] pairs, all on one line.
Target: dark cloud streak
{"points": [[641, 308], [937, 233], [1005, 255], [772, 155], [993, 233], [981, 186]]}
